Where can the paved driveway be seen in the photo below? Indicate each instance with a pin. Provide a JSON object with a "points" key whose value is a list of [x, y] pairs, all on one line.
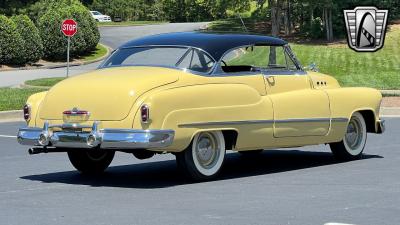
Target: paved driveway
{"points": [[111, 36], [300, 186]]}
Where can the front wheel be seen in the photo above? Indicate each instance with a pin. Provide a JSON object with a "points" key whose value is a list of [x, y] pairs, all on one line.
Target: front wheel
{"points": [[353, 143], [91, 161], [204, 158]]}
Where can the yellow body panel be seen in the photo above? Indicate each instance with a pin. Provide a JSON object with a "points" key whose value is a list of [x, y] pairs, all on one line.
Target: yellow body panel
{"points": [[265, 111]]}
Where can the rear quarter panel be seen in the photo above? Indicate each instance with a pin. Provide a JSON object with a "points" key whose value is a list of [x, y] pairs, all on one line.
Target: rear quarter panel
{"points": [[178, 108]]}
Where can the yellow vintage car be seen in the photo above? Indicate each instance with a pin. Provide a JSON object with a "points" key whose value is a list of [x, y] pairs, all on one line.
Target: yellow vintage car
{"points": [[196, 95]]}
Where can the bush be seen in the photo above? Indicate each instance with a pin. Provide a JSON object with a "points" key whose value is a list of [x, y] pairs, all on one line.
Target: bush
{"points": [[32, 47], [316, 29], [10, 42], [54, 42]]}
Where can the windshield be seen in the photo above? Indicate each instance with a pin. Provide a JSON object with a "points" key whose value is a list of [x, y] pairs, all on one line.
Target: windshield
{"points": [[96, 13], [175, 57]]}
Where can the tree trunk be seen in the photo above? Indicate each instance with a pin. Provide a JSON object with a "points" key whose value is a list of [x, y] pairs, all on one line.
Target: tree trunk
{"points": [[287, 21], [275, 22], [327, 15], [330, 25]]}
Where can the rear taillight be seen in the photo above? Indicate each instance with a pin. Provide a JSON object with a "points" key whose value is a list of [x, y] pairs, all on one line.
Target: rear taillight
{"points": [[27, 112], [145, 113]]}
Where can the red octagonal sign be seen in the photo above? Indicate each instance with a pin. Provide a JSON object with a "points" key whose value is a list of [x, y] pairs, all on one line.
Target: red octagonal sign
{"points": [[69, 27]]}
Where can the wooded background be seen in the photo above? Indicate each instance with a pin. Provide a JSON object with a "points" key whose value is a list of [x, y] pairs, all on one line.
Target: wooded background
{"points": [[315, 18]]}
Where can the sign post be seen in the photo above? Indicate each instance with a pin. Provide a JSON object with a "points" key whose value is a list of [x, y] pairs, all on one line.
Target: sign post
{"points": [[69, 28]]}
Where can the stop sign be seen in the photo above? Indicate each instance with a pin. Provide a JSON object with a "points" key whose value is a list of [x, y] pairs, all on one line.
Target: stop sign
{"points": [[69, 27]]}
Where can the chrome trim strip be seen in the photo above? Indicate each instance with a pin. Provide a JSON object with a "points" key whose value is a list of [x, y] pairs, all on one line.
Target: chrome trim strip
{"points": [[218, 123], [341, 120]]}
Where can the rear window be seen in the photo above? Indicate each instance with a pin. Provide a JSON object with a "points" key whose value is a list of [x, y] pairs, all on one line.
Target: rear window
{"points": [[175, 57]]}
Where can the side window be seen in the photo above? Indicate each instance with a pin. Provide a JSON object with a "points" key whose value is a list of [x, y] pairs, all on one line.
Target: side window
{"points": [[277, 58], [197, 60], [257, 58]]}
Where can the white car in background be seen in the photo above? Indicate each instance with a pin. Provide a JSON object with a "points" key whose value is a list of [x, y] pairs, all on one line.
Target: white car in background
{"points": [[100, 17]]}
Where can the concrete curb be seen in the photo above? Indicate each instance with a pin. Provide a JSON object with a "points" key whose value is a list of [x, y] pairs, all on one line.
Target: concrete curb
{"points": [[390, 92], [9, 116], [17, 115], [62, 65]]}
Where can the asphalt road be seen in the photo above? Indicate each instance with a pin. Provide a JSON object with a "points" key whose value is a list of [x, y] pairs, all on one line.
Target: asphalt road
{"points": [[302, 186], [111, 36]]}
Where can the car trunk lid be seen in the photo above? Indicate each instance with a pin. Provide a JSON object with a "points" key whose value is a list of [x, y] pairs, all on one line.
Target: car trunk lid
{"points": [[107, 94]]}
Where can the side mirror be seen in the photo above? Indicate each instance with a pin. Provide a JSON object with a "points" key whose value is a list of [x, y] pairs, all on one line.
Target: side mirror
{"points": [[313, 67]]}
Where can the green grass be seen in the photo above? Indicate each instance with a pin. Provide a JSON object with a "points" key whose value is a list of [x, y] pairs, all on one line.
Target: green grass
{"points": [[380, 69], [99, 52], [129, 23], [44, 82], [15, 98]]}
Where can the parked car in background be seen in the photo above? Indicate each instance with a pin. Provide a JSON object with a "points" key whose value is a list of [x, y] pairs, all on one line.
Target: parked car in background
{"points": [[100, 17], [196, 95]]}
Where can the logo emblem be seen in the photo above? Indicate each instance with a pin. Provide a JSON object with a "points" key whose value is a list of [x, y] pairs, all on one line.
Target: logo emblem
{"points": [[366, 28]]}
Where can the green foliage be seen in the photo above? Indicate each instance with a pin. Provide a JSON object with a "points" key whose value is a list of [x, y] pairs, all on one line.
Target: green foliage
{"points": [[45, 82], [54, 42], [32, 47], [316, 29], [10, 42], [15, 98]]}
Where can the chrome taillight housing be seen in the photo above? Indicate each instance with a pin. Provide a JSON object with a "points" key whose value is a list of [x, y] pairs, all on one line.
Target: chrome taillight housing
{"points": [[145, 113], [27, 112]]}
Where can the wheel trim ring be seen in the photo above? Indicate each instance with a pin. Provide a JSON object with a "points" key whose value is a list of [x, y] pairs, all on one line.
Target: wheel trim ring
{"points": [[207, 156], [219, 160], [354, 138]]}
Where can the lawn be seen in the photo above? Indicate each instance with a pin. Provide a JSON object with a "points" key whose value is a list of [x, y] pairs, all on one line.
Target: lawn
{"points": [[379, 69], [44, 82], [15, 98], [99, 52]]}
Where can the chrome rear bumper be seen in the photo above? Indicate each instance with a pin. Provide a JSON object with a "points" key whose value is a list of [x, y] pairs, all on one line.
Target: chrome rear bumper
{"points": [[73, 136]]}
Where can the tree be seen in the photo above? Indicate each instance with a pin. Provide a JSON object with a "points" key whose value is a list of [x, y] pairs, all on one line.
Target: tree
{"points": [[275, 18]]}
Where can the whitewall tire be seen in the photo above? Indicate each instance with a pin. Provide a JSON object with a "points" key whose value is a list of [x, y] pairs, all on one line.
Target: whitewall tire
{"points": [[353, 143], [204, 158]]}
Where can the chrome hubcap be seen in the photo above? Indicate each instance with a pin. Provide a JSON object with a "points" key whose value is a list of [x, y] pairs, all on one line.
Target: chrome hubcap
{"points": [[207, 153], [354, 134]]}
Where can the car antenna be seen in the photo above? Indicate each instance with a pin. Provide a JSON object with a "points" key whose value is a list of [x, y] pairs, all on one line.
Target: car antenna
{"points": [[244, 26]]}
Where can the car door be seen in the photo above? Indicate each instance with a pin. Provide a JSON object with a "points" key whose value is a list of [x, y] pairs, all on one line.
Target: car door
{"points": [[299, 109]]}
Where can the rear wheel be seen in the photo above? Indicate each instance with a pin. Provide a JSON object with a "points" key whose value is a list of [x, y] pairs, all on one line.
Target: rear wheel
{"points": [[91, 161], [353, 143], [204, 158]]}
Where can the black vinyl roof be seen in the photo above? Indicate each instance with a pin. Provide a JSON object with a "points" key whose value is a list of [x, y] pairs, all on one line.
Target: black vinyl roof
{"points": [[216, 44]]}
